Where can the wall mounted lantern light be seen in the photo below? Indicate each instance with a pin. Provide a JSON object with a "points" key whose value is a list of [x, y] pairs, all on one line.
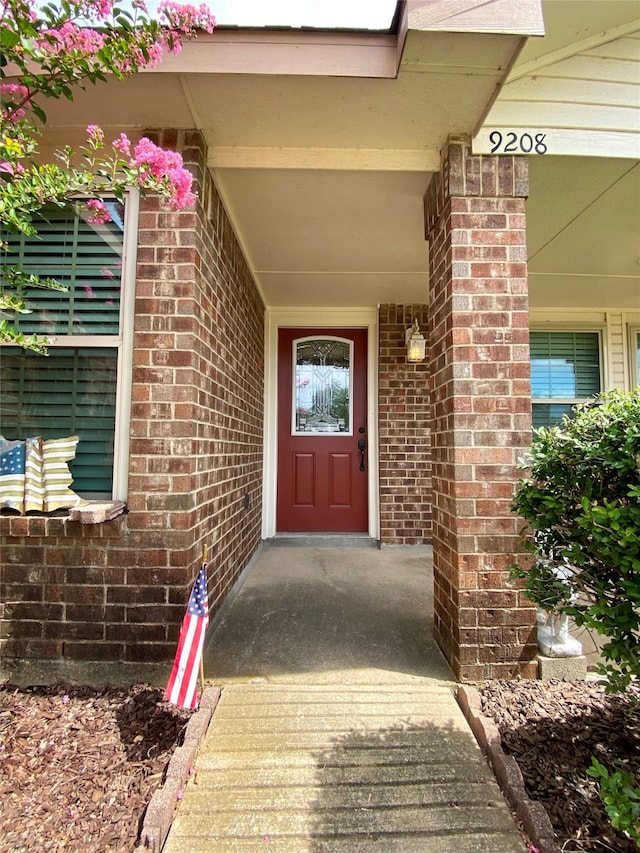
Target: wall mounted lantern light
{"points": [[415, 343]]}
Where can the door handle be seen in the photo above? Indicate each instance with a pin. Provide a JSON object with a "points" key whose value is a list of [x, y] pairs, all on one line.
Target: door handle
{"points": [[362, 446]]}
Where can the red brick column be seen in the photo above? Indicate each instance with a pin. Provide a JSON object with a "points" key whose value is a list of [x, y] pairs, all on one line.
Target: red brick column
{"points": [[481, 409]]}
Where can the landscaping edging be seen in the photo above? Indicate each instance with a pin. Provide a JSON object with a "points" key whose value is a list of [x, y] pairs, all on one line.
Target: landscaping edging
{"points": [[532, 815], [161, 809]]}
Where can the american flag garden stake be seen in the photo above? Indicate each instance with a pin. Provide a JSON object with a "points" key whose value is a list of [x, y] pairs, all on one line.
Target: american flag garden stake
{"points": [[183, 681]]}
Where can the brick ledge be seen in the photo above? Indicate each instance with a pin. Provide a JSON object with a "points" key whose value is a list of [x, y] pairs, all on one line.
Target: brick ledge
{"points": [[90, 513], [531, 814]]}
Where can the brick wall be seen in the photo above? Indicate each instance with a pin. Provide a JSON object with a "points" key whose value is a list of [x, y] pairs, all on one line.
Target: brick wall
{"points": [[118, 590], [481, 422], [404, 434]]}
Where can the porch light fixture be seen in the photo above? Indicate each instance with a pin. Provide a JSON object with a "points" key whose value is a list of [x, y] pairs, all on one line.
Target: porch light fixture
{"points": [[415, 343]]}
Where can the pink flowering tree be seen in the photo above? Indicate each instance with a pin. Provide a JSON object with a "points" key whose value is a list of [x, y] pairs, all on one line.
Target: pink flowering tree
{"points": [[50, 51]]}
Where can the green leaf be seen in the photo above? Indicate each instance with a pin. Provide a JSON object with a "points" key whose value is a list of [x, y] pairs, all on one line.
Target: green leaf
{"points": [[8, 38]]}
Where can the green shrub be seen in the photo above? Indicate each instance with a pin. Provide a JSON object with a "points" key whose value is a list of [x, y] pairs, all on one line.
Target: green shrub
{"points": [[582, 505], [620, 797]]}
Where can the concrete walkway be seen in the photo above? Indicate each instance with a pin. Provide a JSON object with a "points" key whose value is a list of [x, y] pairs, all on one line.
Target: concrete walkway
{"points": [[337, 729]]}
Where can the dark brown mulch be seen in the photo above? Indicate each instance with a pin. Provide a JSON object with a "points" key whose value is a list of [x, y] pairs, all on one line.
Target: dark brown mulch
{"points": [[78, 765], [553, 729]]}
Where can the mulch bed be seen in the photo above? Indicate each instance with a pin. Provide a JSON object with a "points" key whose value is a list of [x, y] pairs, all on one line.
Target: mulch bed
{"points": [[79, 765], [552, 729]]}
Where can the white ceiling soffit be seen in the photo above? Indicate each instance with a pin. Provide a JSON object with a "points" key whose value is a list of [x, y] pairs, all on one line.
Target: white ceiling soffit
{"points": [[583, 233], [323, 143], [578, 90], [324, 177]]}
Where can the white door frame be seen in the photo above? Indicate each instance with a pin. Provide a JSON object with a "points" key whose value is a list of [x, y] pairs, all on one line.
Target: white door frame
{"points": [[330, 318]]}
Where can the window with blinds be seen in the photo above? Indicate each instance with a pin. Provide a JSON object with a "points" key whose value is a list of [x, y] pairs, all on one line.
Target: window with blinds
{"points": [[73, 390], [86, 258], [565, 370]]}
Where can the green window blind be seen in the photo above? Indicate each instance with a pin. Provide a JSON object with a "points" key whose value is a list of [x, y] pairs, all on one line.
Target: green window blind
{"points": [[69, 392], [86, 258], [565, 368]]}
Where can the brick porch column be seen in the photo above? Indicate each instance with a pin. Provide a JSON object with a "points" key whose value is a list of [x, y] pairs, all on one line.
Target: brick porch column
{"points": [[481, 409]]}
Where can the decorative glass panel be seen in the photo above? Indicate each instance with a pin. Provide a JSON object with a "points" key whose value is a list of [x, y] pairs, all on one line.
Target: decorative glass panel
{"points": [[69, 392], [322, 392]]}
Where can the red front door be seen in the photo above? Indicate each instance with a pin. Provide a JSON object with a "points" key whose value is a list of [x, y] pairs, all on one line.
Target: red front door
{"points": [[322, 431]]}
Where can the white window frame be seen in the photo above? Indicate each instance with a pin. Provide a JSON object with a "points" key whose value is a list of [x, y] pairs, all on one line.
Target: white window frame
{"points": [[122, 343]]}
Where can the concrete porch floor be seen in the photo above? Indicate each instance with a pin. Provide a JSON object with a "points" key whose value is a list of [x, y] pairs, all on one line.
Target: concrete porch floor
{"points": [[318, 614]]}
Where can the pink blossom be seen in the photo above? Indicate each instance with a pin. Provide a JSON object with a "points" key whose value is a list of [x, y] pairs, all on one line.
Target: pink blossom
{"points": [[155, 54], [98, 213], [144, 53], [155, 165], [10, 94], [89, 291], [23, 9], [12, 168], [105, 272], [70, 38], [95, 134], [122, 144], [186, 18], [101, 8]]}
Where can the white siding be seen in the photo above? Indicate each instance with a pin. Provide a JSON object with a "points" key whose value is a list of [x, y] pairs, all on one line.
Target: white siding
{"points": [[585, 102], [616, 338]]}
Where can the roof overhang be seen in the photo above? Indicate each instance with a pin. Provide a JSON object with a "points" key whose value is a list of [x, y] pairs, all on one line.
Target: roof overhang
{"points": [[322, 143]]}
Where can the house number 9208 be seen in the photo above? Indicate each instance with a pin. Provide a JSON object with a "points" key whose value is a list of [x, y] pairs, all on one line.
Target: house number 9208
{"points": [[517, 143]]}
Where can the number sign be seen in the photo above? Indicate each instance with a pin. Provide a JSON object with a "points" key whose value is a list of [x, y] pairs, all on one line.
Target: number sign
{"points": [[510, 142]]}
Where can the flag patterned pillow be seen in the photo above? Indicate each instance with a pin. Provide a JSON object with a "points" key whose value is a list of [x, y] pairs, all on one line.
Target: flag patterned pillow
{"points": [[35, 476]]}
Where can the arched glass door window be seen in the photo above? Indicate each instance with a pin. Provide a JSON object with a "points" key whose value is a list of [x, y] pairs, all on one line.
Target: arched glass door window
{"points": [[323, 369]]}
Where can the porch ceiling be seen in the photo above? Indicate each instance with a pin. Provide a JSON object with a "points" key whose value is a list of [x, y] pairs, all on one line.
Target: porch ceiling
{"points": [[324, 175]]}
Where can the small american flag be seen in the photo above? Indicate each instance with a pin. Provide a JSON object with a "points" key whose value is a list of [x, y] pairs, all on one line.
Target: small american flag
{"points": [[181, 688]]}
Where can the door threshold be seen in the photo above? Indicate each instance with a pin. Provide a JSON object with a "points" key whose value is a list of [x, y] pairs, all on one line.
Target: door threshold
{"points": [[322, 540]]}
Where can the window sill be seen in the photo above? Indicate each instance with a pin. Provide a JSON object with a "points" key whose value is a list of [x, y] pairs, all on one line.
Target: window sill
{"points": [[95, 512], [56, 524]]}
